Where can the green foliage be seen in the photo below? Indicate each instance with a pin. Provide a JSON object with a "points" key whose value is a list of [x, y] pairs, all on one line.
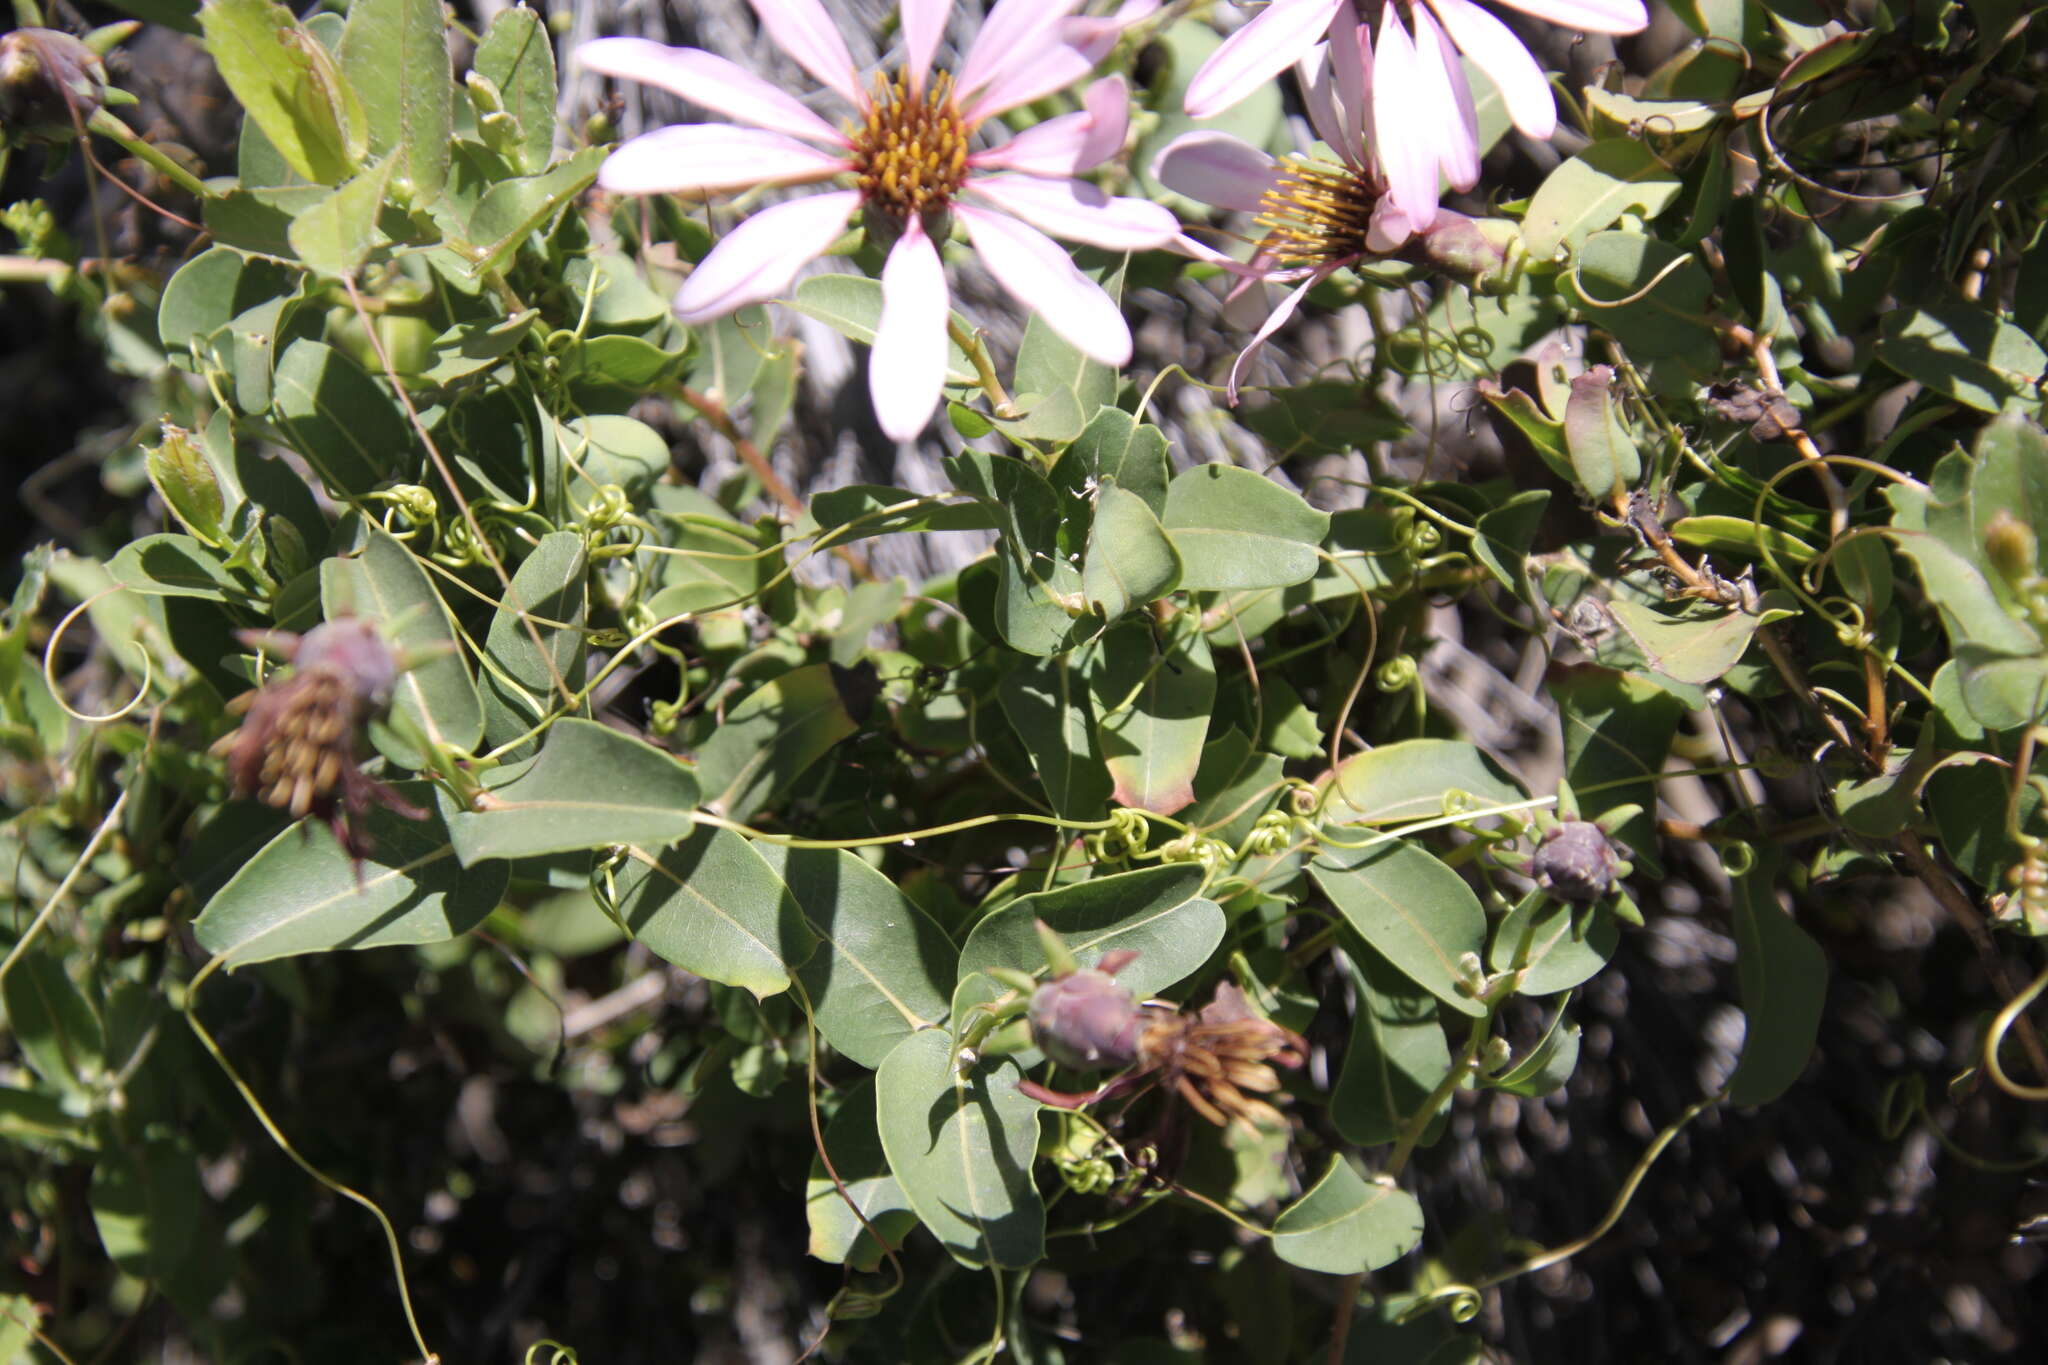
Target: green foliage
{"points": [[1772, 529]]}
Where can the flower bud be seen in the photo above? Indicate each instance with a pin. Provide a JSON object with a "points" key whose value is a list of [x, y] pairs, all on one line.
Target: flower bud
{"points": [[352, 648], [1575, 862], [50, 84], [1086, 1021], [1481, 251]]}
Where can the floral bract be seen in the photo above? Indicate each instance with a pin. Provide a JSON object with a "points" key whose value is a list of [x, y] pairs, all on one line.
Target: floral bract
{"points": [[912, 172]]}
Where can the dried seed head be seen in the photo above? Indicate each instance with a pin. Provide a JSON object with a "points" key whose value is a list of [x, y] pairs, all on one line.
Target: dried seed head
{"points": [[1212, 1058], [299, 744], [1575, 862], [1086, 1021]]}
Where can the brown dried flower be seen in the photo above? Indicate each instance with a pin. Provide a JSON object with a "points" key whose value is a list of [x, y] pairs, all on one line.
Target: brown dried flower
{"points": [[299, 747], [1218, 1060], [1213, 1058]]}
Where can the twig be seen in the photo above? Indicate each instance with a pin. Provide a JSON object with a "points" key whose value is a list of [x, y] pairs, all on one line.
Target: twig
{"points": [[714, 412]]}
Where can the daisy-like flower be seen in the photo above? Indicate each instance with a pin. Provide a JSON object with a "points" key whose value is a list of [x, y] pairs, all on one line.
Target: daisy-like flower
{"points": [[1422, 121], [1320, 216], [909, 166]]}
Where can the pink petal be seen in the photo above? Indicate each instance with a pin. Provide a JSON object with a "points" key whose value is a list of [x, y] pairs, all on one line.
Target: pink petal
{"points": [[1041, 277], [1593, 16], [1095, 37], [1071, 143], [924, 24], [1389, 227], [1273, 323], [1500, 54], [702, 158], [1014, 31], [1325, 110], [1026, 78], [758, 259], [1256, 53], [1407, 143], [908, 366], [1448, 102], [1216, 168], [802, 29], [1351, 64], [1079, 212], [709, 80]]}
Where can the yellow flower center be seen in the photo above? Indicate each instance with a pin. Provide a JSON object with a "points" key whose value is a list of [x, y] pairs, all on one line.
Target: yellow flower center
{"points": [[1316, 213], [910, 155]]}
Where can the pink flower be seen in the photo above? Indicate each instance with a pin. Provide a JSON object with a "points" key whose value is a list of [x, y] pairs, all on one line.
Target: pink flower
{"points": [[1319, 217], [1422, 121], [906, 162]]}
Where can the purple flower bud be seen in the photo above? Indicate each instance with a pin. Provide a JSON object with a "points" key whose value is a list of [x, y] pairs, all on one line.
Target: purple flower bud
{"points": [[1575, 862], [353, 650], [1086, 1021]]}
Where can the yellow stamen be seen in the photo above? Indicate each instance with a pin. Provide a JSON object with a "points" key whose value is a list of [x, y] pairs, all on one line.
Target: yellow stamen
{"points": [[910, 155], [1316, 214]]}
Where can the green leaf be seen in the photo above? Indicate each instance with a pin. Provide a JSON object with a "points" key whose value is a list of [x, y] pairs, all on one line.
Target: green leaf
{"points": [[475, 345], [1047, 704], [1618, 730], [303, 893], [1397, 1057], [1064, 387], [713, 906], [1961, 350], [349, 429], [388, 585], [172, 565], [961, 1148], [1346, 1225], [1411, 909], [883, 968], [1663, 118], [771, 738], [1544, 433], [1696, 644], [1548, 1065], [1603, 454], [867, 509], [289, 85], [1592, 191], [518, 57], [184, 475], [1130, 561], [1648, 295], [590, 787], [335, 235], [1784, 981], [522, 682], [1540, 935], [1505, 534], [1321, 416], [1409, 779], [1238, 529], [856, 1151], [1117, 446], [1039, 597], [1152, 703], [211, 290], [395, 54], [851, 305], [53, 1024], [1157, 912], [513, 209], [156, 1222], [1234, 786], [1741, 536]]}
